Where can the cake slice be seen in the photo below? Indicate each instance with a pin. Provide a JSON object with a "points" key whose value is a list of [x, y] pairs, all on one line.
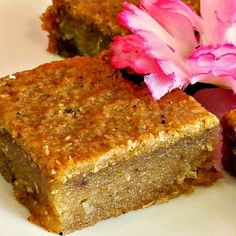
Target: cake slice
{"points": [[84, 27], [229, 141], [80, 144]]}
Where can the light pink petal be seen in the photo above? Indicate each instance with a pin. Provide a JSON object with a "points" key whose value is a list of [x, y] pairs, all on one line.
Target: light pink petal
{"points": [[165, 53], [182, 30], [169, 20], [178, 19], [227, 82], [214, 65], [216, 100], [171, 62], [158, 84], [128, 52], [217, 50], [158, 43], [138, 21], [172, 6], [218, 16], [225, 10]]}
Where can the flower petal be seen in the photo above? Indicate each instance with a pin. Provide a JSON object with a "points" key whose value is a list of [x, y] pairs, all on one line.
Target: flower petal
{"points": [[178, 19], [170, 62], [218, 16], [158, 84], [227, 82], [222, 100], [215, 65], [172, 6], [155, 43], [152, 50], [171, 20], [160, 46], [136, 20], [128, 52]]}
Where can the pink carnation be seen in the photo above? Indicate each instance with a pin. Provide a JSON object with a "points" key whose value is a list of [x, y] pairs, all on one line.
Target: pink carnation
{"points": [[166, 49]]}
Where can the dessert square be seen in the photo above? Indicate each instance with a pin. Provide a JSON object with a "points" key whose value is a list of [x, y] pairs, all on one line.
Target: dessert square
{"points": [[81, 144]]}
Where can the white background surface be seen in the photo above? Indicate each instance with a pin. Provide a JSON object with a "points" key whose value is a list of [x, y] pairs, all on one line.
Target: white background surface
{"points": [[207, 212]]}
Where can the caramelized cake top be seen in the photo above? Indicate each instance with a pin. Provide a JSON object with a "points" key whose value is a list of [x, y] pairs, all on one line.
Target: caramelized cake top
{"points": [[79, 115]]}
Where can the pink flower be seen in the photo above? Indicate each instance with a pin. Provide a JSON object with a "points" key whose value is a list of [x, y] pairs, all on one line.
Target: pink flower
{"points": [[174, 47]]}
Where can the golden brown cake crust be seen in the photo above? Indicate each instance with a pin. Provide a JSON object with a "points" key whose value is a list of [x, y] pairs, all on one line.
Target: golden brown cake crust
{"points": [[84, 100]]}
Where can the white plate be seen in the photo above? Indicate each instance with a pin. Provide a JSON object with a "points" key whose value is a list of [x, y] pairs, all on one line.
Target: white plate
{"points": [[207, 212]]}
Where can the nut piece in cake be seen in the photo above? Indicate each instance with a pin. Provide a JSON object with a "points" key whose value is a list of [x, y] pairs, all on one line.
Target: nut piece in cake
{"points": [[80, 144], [84, 27], [229, 142]]}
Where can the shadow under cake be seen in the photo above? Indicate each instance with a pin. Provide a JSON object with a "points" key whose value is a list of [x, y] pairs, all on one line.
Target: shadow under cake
{"points": [[80, 144], [84, 27]]}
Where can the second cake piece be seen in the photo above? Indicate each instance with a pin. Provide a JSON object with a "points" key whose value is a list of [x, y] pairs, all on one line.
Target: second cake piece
{"points": [[229, 141], [85, 27]]}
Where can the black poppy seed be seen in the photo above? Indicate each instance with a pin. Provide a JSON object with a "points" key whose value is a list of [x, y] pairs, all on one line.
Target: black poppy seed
{"points": [[163, 122], [68, 110]]}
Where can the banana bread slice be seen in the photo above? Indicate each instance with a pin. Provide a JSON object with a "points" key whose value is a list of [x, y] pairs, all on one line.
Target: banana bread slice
{"points": [[229, 141], [81, 144], [84, 27]]}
